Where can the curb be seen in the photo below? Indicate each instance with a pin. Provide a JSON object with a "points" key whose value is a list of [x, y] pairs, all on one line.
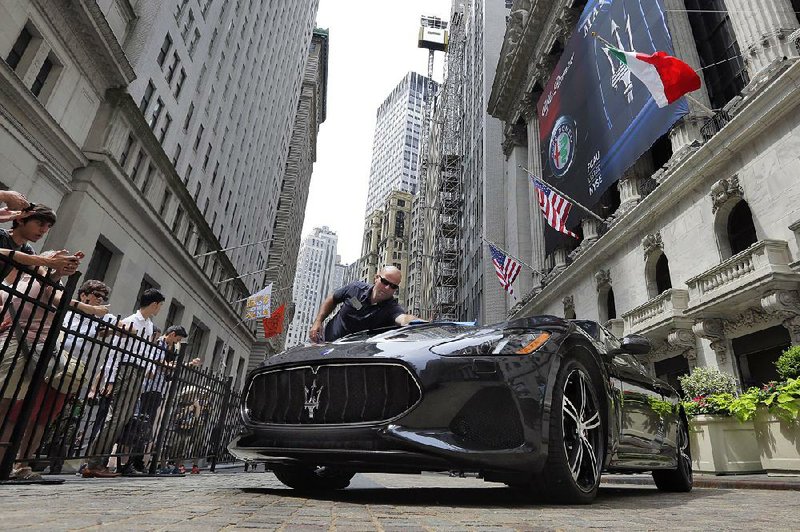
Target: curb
{"points": [[704, 481]]}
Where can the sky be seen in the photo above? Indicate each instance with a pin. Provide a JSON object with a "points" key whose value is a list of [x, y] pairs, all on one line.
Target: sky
{"points": [[373, 44]]}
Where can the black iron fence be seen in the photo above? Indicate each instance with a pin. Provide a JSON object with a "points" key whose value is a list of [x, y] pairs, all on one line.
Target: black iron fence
{"points": [[80, 388]]}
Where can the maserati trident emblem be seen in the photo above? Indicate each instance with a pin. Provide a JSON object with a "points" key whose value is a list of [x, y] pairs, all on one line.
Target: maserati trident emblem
{"points": [[312, 398]]}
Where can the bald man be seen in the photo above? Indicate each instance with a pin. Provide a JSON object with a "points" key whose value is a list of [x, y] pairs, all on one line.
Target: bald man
{"points": [[364, 307]]}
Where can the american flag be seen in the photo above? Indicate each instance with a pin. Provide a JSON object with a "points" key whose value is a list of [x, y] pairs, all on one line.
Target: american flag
{"points": [[554, 206], [506, 268]]}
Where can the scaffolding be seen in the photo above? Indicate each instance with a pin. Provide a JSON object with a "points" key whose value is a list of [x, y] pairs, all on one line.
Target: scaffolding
{"points": [[438, 211]]}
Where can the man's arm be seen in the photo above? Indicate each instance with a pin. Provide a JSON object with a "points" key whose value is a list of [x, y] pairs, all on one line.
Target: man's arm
{"points": [[315, 334], [57, 261], [14, 200]]}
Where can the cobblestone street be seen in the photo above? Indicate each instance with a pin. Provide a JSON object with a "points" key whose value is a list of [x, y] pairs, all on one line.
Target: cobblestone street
{"points": [[375, 502]]}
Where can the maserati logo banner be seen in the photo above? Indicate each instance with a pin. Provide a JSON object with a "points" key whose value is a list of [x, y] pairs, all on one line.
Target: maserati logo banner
{"points": [[595, 120]]}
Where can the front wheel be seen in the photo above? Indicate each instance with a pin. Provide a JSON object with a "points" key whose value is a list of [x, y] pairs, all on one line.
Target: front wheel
{"points": [[678, 479], [577, 437], [312, 478]]}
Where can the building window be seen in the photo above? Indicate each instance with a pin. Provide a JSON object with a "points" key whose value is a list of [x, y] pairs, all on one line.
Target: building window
{"points": [[157, 109], [179, 9], [164, 203], [148, 95], [164, 128], [188, 174], [123, 158], [741, 229], [214, 175], [189, 115], [137, 165], [174, 314], [101, 261], [176, 222], [193, 44], [663, 278], [176, 60], [18, 50], [177, 156], [199, 137], [147, 179], [179, 84], [187, 27], [207, 157], [41, 77], [165, 48]]}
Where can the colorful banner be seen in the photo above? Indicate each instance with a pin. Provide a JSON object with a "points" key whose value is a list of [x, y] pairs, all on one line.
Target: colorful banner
{"points": [[595, 119], [258, 305], [273, 325]]}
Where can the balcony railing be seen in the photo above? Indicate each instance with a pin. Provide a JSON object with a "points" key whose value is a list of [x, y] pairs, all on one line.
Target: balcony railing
{"points": [[664, 307], [714, 124], [752, 267]]}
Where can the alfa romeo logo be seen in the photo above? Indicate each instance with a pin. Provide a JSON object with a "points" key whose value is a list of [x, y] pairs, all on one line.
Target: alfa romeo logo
{"points": [[562, 145]]}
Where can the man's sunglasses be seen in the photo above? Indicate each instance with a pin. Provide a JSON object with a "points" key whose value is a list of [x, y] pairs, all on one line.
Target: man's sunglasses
{"points": [[99, 295], [389, 283]]}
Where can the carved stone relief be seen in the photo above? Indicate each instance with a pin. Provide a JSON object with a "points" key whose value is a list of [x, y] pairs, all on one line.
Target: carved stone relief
{"points": [[569, 303], [713, 329], [603, 278], [723, 190], [651, 243]]}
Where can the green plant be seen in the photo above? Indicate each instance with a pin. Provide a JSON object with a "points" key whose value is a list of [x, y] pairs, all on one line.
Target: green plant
{"points": [[704, 382], [788, 364], [710, 404], [784, 402], [661, 407], [744, 406]]}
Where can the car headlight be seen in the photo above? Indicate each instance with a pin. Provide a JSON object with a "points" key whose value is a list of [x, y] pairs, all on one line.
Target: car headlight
{"points": [[494, 343]]}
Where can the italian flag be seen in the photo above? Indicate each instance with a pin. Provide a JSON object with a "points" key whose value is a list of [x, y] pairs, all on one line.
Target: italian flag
{"points": [[666, 77]]}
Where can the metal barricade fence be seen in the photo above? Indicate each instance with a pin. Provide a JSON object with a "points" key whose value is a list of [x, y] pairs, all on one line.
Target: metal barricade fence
{"points": [[82, 388]]}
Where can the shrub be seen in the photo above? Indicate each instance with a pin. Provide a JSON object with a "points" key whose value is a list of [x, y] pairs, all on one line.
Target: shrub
{"points": [[788, 364], [707, 381], [710, 404]]}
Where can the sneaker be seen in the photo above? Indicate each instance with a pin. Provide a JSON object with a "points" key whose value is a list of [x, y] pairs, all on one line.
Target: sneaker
{"points": [[99, 472], [128, 470], [195, 470]]}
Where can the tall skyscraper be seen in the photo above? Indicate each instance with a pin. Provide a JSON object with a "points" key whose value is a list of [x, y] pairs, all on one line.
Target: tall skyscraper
{"points": [[312, 282], [159, 130], [465, 148], [396, 146]]}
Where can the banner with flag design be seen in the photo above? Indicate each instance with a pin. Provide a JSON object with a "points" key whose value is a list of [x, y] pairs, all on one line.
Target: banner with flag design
{"points": [[506, 268]]}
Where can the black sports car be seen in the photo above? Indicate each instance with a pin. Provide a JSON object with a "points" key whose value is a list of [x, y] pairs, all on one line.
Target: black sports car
{"points": [[542, 403]]}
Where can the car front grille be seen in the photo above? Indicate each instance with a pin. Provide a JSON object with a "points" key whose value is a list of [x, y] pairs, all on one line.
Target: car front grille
{"points": [[331, 394]]}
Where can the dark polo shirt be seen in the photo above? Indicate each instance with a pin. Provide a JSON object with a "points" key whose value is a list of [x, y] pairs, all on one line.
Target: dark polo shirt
{"points": [[6, 242], [358, 314]]}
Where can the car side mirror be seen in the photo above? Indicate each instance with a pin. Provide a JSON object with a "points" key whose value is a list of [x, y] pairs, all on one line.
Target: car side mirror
{"points": [[636, 344]]}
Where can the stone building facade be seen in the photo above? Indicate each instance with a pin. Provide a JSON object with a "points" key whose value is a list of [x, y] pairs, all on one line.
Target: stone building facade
{"points": [[701, 251], [95, 97]]}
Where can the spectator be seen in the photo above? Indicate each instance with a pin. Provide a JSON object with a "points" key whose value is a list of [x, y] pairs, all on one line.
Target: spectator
{"points": [[21, 350], [38, 220], [364, 307], [155, 386], [125, 379]]}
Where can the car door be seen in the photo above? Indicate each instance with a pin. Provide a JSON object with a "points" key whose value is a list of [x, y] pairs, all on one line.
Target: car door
{"points": [[641, 428]]}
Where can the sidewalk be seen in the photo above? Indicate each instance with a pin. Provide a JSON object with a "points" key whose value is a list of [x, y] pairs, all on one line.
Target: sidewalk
{"points": [[753, 482]]}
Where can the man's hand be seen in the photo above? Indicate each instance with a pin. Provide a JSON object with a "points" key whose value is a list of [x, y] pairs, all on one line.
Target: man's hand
{"points": [[315, 334], [14, 200], [64, 262], [7, 215], [100, 310]]}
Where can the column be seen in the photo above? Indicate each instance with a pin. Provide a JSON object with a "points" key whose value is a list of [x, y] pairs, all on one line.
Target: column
{"points": [[687, 129], [761, 29], [537, 256], [518, 218]]}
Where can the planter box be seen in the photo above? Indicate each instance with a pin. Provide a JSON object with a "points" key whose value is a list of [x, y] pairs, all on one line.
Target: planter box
{"points": [[779, 443], [722, 445]]}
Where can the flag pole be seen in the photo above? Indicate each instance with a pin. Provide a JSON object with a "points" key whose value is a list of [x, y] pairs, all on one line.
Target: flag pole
{"points": [[562, 194], [510, 255]]}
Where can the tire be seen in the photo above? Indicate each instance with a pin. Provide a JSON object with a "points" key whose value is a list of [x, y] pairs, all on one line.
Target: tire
{"points": [[577, 437], [678, 480], [312, 478]]}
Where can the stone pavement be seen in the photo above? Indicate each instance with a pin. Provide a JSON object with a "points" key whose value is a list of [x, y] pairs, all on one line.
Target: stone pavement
{"points": [[240, 501]]}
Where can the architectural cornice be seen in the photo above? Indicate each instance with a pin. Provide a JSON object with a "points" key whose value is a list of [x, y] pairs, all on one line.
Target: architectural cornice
{"points": [[46, 126], [86, 33], [761, 111]]}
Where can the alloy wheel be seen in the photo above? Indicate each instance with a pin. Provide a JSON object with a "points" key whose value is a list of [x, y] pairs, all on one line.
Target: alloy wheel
{"points": [[582, 430]]}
